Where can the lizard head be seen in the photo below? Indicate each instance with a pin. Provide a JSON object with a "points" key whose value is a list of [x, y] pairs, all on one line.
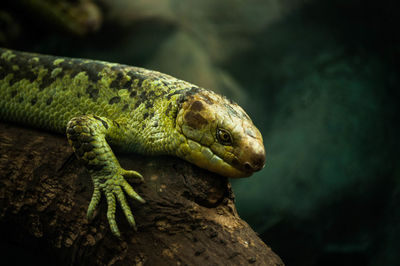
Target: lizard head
{"points": [[219, 136]]}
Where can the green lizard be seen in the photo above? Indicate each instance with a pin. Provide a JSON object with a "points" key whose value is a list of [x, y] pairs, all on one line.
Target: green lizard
{"points": [[100, 104]]}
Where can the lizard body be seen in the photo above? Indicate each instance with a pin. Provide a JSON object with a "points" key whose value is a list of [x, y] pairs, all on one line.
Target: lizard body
{"points": [[100, 105]]}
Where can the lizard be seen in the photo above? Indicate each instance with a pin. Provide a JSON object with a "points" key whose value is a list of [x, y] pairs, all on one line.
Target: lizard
{"points": [[102, 106]]}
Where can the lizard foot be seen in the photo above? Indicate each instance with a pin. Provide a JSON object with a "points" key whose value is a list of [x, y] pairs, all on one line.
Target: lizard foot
{"points": [[87, 136], [113, 186]]}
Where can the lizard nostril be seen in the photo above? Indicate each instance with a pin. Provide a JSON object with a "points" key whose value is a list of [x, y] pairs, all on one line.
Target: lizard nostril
{"points": [[256, 164], [248, 167]]}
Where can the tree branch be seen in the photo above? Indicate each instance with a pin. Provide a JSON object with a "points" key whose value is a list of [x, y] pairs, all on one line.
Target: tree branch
{"points": [[189, 218]]}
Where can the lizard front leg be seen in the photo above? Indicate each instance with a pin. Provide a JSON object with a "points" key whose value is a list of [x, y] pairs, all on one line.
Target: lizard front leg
{"points": [[88, 135]]}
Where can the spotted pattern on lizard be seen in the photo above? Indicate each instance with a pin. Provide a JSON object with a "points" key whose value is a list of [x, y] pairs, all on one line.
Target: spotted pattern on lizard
{"points": [[100, 105]]}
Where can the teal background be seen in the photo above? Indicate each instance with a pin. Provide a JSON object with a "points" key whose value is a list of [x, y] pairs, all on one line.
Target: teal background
{"points": [[319, 78], [328, 82]]}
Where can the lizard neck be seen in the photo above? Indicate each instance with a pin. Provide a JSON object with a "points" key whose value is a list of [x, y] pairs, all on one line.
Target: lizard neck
{"points": [[152, 130]]}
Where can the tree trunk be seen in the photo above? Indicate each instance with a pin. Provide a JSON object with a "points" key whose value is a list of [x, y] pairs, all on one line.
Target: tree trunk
{"points": [[189, 218]]}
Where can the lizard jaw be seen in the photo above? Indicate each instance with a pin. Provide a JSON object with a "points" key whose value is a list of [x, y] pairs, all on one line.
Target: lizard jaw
{"points": [[203, 157]]}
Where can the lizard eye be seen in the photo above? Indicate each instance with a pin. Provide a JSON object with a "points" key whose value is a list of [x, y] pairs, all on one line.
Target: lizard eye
{"points": [[224, 137]]}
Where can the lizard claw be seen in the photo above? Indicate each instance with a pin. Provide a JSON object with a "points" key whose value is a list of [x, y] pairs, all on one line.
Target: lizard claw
{"points": [[133, 175], [114, 188]]}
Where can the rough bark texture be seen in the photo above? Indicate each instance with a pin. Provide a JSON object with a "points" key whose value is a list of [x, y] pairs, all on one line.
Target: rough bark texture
{"points": [[189, 218]]}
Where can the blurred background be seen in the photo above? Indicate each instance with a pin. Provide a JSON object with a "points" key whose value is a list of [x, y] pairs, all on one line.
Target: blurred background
{"points": [[319, 78]]}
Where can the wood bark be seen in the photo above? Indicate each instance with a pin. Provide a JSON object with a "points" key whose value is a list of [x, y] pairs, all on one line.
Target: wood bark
{"points": [[189, 218]]}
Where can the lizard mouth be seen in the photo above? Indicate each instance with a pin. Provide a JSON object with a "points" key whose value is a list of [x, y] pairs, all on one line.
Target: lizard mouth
{"points": [[204, 157]]}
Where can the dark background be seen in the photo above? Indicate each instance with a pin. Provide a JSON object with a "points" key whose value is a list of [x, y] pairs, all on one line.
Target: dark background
{"points": [[319, 78]]}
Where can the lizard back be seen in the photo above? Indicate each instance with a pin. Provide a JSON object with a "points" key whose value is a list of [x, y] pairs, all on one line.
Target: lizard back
{"points": [[46, 92]]}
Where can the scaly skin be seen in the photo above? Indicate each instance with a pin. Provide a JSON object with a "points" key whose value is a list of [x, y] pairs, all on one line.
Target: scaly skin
{"points": [[100, 104]]}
